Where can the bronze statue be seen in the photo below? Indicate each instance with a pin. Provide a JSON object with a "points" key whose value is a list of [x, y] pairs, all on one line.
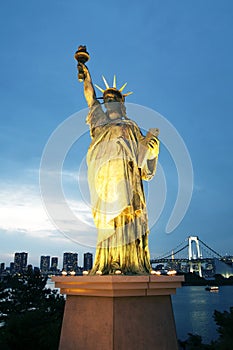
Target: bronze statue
{"points": [[119, 158]]}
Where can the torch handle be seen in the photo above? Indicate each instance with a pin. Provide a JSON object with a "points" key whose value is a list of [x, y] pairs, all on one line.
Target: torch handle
{"points": [[81, 56]]}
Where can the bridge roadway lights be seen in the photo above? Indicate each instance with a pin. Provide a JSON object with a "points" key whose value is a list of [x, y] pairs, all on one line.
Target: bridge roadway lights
{"points": [[118, 312]]}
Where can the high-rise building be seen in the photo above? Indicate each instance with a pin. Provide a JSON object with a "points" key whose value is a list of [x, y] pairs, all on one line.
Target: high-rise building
{"points": [[44, 263], [20, 262], [12, 267], [54, 264], [36, 270], [2, 267], [30, 269], [88, 261], [70, 262]]}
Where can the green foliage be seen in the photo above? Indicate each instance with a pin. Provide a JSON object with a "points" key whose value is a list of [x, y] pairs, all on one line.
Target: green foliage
{"points": [[224, 321], [194, 342], [192, 278], [32, 314]]}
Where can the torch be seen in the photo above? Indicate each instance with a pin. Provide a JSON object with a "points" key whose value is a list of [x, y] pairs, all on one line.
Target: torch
{"points": [[81, 56]]}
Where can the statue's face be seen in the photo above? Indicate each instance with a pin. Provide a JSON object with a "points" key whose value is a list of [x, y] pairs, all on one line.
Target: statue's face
{"points": [[113, 103]]}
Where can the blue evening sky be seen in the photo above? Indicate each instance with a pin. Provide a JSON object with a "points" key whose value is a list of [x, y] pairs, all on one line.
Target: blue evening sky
{"points": [[177, 59]]}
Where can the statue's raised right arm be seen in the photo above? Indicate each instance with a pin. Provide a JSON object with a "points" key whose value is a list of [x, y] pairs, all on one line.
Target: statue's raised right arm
{"points": [[89, 91], [96, 116]]}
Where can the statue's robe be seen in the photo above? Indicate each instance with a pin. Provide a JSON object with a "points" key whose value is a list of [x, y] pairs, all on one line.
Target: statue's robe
{"points": [[117, 197]]}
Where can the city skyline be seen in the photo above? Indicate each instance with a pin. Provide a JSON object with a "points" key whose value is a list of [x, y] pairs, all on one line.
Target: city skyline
{"points": [[203, 266], [176, 59], [46, 260], [191, 248]]}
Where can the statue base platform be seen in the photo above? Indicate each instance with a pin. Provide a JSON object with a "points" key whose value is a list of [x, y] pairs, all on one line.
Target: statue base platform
{"points": [[118, 312]]}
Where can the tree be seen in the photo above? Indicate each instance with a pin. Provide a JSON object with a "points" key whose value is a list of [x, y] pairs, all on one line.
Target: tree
{"points": [[32, 314], [194, 342], [224, 321]]}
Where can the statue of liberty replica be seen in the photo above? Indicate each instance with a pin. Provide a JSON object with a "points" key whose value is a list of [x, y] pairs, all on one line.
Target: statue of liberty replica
{"points": [[119, 158]]}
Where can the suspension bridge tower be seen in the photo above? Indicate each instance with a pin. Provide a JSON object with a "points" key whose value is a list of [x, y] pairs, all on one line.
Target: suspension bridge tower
{"points": [[194, 254]]}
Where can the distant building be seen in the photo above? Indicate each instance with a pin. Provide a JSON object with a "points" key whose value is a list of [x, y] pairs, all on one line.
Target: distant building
{"points": [[30, 269], [54, 264], [44, 263], [228, 259], [20, 262], [2, 267], [36, 270], [70, 262], [88, 261], [12, 267]]}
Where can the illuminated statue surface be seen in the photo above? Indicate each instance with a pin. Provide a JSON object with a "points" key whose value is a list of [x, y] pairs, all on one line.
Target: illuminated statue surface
{"points": [[118, 159]]}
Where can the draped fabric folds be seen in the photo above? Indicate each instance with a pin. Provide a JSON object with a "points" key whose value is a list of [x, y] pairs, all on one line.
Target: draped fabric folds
{"points": [[117, 197]]}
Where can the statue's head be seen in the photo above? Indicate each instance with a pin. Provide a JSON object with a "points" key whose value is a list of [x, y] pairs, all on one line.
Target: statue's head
{"points": [[113, 95], [114, 101], [113, 98]]}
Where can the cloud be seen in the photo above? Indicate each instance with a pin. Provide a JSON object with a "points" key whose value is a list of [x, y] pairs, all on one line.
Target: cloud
{"points": [[21, 210]]}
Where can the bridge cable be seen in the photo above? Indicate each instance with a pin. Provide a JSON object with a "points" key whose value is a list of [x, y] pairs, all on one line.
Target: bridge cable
{"points": [[166, 257], [210, 248], [171, 250]]}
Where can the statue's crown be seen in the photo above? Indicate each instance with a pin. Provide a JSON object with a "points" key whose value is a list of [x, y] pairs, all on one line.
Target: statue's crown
{"points": [[110, 91]]}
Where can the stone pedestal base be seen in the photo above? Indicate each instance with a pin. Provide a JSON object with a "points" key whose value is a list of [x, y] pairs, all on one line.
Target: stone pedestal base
{"points": [[118, 312]]}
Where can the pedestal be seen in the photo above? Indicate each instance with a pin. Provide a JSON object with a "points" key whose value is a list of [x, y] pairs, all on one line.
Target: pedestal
{"points": [[118, 312]]}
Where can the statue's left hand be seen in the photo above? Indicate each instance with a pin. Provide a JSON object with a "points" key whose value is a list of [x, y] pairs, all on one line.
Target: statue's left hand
{"points": [[153, 146]]}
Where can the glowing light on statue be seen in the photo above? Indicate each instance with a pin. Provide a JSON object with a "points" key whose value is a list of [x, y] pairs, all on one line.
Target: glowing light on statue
{"points": [[118, 159]]}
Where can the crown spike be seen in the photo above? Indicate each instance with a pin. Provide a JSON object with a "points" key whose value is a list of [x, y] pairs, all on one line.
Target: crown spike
{"points": [[99, 88], [122, 88], [128, 93], [105, 82], [114, 81]]}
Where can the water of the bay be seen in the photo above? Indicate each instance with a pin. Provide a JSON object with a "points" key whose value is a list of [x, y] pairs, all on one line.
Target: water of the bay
{"points": [[194, 307]]}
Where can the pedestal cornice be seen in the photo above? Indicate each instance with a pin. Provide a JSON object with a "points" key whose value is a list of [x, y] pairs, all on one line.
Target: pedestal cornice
{"points": [[118, 286]]}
